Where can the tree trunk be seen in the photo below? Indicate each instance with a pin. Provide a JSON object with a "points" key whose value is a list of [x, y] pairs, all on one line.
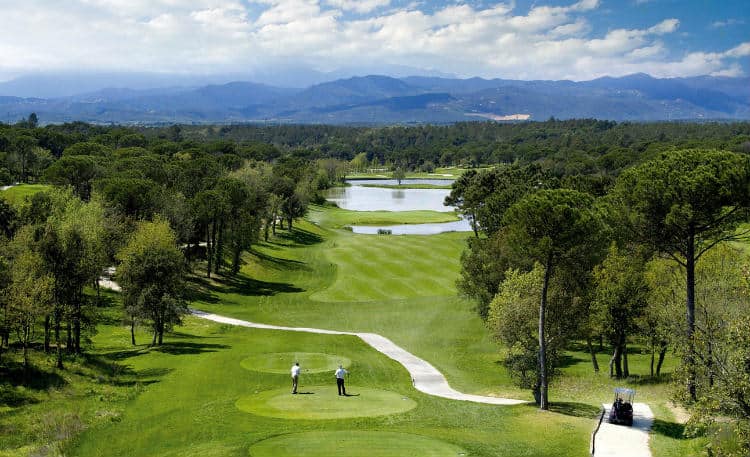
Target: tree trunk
{"points": [[290, 224], [616, 363], [77, 315], [474, 227], [132, 331], [26, 350], [625, 368], [47, 333], [690, 304], [543, 398], [58, 343], [69, 337], [710, 364], [236, 258], [662, 355], [153, 338], [209, 250], [219, 248], [594, 362], [653, 354], [265, 231]]}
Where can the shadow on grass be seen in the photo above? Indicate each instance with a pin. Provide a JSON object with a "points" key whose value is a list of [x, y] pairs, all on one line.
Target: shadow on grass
{"points": [[279, 263], [200, 289], [301, 237], [14, 373], [648, 380], [570, 409], [180, 348], [669, 429], [567, 360]]}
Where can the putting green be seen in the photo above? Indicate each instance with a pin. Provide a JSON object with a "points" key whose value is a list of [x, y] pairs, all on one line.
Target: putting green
{"points": [[281, 362], [323, 402], [354, 443]]}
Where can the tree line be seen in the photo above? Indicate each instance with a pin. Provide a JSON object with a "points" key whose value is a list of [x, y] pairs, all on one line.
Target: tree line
{"points": [[649, 257], [155, 209]]}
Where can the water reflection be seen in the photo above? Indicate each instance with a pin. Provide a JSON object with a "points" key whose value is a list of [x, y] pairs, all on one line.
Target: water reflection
{"points": [[356, 197]]}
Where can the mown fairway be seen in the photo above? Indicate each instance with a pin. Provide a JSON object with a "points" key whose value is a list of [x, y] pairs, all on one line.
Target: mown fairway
{"points": [[16, 194]]}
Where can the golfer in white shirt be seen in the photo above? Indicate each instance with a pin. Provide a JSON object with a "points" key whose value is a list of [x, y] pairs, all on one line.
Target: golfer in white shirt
{"points": [[340, 374], [295, 377]]}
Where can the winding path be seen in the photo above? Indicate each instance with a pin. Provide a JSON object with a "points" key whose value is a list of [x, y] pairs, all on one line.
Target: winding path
{"points": [[611, 440], [425, 377]]}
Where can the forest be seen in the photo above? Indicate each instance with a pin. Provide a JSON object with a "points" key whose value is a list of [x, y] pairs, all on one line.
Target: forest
{"points": [[584, 232]]}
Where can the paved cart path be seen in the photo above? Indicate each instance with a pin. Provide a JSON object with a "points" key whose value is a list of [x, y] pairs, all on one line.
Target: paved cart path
{"points": [[425, 377], [620, 440]]}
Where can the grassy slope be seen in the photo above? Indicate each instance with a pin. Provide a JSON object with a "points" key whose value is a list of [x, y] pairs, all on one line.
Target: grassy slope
{"points": [[407, 186], [16, 194], [190, 409]]}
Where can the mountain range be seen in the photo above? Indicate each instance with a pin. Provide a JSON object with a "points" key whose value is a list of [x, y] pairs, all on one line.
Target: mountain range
{"points": [[388, 100]]}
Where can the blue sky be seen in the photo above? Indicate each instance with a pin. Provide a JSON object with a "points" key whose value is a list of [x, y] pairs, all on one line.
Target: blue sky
{"points": [[522, 39]]}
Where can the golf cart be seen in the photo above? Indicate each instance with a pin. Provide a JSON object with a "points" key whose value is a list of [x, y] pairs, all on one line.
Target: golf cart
{"points": [[622, 408]]}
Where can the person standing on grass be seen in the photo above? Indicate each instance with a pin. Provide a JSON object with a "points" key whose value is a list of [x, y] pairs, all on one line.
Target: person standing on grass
{"points": [[295, 377], [340, 374]]}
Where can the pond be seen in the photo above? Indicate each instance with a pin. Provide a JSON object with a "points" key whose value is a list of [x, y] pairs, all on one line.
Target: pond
{"points": [[356, 197]]}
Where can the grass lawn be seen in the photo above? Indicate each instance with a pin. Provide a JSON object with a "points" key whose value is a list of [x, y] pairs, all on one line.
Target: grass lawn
{"points": [[408, 186], [333, 217], [439, 173], [16, 194]]}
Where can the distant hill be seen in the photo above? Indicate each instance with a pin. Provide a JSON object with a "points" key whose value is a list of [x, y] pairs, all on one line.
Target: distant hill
{"points": [[385, 100]]}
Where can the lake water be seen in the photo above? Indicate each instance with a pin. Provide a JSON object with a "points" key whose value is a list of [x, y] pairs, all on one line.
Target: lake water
{"points": [[356, 197]]}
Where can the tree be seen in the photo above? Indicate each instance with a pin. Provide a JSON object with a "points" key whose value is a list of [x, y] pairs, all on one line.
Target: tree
{"points": [[5, 296], [683, 204], [33, 120], [31, 295], [399, 174], [620, 298], [77, 171], [8, 219], [23, 153], [559, 229], [359, 162], [151, 277]]}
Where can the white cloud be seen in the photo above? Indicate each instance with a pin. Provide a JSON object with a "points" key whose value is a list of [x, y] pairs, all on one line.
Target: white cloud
{"points": [[728, 23], [547, 42], [359, 6]]}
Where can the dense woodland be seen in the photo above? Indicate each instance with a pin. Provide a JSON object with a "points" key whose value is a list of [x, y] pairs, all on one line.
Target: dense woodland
{"points": [[584, 232]]}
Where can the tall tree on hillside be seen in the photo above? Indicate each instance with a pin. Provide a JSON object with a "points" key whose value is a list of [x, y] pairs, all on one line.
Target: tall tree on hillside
{"points": [[683, 204], [151, 277], [31, 296], [559, 229], [620, 298], [76, 171], [23, 153], [513, 318]]}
